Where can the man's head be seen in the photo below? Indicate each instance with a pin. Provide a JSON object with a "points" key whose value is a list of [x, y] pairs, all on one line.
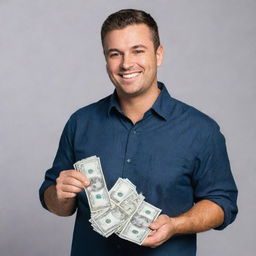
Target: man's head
{"points": [[133, 52], [127, 17]]}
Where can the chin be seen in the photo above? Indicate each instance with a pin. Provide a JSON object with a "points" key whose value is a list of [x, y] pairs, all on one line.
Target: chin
{"points": [[131, 93]]}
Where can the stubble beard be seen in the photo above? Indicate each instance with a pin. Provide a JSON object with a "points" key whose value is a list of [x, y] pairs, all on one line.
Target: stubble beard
{"points": [[129, 95]]}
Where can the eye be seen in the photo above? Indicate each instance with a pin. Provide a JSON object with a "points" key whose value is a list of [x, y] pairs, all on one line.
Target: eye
{"points": [[138, 51], [114, 54]]}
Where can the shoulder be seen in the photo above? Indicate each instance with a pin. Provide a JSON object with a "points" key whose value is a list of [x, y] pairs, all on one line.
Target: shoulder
{"points": [[200, 130], [92, 110], [197, 120]]}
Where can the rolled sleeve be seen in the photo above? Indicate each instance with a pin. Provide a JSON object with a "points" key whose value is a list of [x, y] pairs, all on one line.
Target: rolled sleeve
{"points": [[213, 179], [63, 160]]}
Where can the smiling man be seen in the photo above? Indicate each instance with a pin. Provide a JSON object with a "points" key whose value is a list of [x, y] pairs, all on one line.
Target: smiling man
{"points": [[132, 61], [172, 152]]}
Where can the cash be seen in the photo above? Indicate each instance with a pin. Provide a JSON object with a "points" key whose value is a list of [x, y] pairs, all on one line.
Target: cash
{"points": [[96, 192], [121, 210], [137, 228]]}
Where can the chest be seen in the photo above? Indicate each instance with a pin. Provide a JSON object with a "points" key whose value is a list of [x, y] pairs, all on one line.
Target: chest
{"points": [[157, 157]]}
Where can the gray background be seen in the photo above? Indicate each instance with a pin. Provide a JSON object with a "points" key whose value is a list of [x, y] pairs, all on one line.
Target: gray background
{"points": [[51, 64]]}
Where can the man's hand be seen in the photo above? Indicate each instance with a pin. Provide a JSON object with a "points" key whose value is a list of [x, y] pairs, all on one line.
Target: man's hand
{"points": [[162, 229], [61, 198], [203, 216], [69, 183]]}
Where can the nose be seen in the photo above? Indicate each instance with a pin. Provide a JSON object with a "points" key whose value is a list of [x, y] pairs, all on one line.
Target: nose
{"points": [[127, 62]]}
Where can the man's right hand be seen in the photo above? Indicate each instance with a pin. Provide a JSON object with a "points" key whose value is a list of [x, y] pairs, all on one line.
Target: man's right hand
{"points": [[69, 183]]}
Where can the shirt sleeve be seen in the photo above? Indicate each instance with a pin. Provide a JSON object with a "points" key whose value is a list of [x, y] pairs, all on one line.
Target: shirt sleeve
{"points": [[213, 179], [64, 160]]}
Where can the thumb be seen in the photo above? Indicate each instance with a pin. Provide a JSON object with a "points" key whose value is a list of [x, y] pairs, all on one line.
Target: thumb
{"points": [[161, 220]]}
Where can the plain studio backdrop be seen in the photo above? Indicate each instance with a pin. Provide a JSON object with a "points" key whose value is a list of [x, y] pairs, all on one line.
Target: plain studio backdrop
{"points": [[51, 64]]}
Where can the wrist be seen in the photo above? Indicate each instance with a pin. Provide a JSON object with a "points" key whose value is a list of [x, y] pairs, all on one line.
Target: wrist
{"points": [[178, 224]]}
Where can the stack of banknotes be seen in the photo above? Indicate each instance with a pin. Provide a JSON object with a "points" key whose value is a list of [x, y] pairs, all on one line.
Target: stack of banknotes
{"points": [[121, 210]]}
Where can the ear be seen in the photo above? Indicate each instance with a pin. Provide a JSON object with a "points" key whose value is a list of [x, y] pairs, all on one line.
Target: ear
{"points": [[159, 55]]}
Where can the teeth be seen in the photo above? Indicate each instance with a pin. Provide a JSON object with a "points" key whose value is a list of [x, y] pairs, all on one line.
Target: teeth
{"points": [[130, 75]]}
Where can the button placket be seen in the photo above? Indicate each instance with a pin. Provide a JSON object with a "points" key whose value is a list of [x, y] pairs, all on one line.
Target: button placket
{"points": [[130, 151]]}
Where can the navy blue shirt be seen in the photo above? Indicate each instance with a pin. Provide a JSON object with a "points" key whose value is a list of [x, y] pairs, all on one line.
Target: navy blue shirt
{"points": [[176, 156]]}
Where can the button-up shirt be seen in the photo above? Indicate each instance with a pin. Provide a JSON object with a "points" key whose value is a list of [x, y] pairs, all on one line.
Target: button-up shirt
{"points": [[175, 155]]}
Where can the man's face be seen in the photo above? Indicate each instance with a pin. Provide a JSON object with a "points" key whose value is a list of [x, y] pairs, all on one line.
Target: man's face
{"points": [[132, 60]]}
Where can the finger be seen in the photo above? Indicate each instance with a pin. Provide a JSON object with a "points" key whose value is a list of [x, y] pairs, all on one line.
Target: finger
{"points": [[77, 175], [65, 195], [71, 189], [152, 232], [160, 221], [149, 242], [153, 240], [74, 182], [158, 235], [61, 191], [66, 180]]}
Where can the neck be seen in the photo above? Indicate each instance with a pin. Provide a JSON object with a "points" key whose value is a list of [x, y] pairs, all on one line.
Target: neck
{"points": [[135, 107]]}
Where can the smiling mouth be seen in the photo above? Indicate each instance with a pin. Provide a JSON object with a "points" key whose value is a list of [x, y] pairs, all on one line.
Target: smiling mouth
{"points": [[129, 76]]}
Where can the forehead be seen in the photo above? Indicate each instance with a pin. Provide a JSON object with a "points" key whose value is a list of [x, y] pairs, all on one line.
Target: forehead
{"points": [[138, 34]]}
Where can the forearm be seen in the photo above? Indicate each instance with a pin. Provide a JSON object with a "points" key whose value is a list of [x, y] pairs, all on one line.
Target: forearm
{"points": [[63, 207], [203, 216]]}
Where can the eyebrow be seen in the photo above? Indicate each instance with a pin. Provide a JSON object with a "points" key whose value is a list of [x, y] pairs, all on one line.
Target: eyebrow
{"points": [[133, 47], [139, 46]]}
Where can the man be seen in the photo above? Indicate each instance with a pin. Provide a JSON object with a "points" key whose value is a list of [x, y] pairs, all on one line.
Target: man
{"points": [[173, 153]]}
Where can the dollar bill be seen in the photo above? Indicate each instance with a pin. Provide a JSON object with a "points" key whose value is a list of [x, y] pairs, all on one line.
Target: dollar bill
{"points": [[121, 210], [96, 192], [125, 201], [137, 228], [110, 220], [130, 205], [121, 190]]}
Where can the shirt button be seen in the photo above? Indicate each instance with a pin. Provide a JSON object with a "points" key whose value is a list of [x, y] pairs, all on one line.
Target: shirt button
{"points": [[134, 132], [128, 160]]}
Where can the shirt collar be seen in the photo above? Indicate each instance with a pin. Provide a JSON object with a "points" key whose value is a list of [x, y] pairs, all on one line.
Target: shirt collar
{"points": [[161, 106], [163, 102], [114, 104]]}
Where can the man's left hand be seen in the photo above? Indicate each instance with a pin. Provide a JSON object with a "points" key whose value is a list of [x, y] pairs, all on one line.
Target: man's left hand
{"points": [[162, 229]]}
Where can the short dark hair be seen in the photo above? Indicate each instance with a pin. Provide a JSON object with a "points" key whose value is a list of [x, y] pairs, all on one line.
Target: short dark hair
{"points": [[126, 17]]}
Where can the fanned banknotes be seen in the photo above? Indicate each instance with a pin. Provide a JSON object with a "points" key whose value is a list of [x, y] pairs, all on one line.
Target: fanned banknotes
{"points": [[121, 210]]}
